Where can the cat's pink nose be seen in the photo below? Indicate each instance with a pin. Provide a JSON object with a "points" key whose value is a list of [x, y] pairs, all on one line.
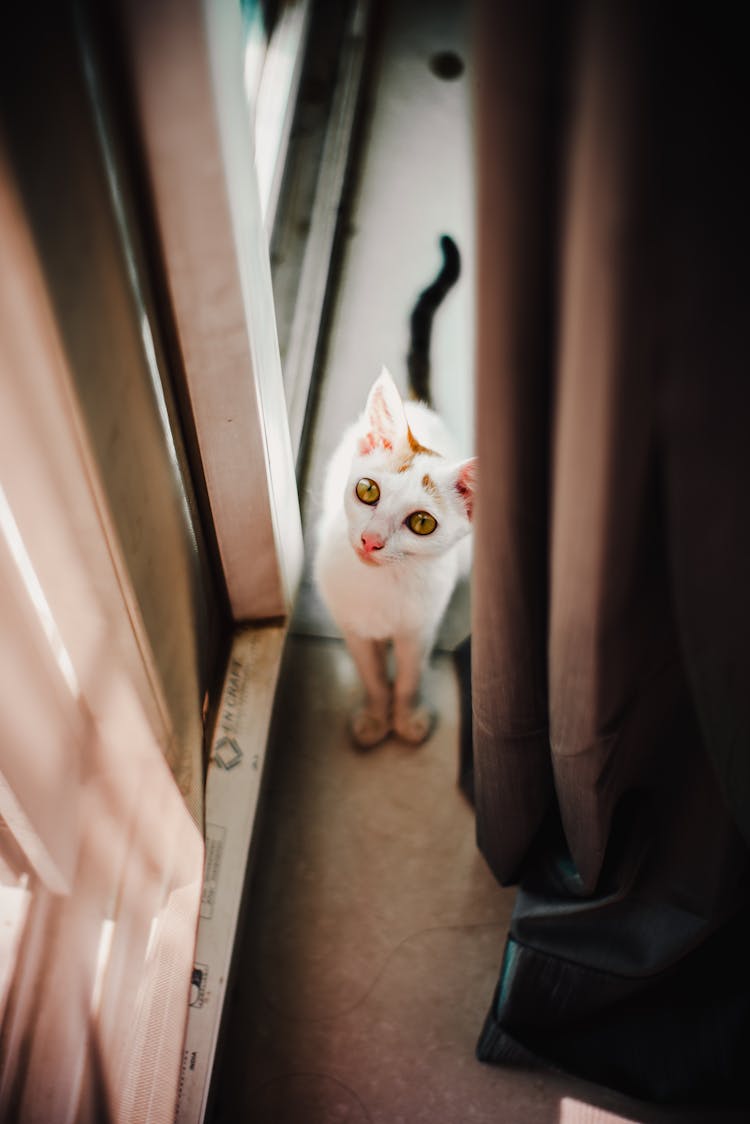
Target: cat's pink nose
{"points": [[372, 542]]}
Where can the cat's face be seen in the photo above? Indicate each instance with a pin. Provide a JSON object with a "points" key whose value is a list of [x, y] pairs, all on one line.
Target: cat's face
{"points": [[403, 500]]}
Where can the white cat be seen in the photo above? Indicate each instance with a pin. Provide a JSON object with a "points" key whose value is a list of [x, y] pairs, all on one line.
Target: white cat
{"points": [[394, 538]]}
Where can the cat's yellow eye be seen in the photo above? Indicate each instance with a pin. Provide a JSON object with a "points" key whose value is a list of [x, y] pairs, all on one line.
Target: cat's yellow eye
{"points": [[367, 490], [421, 523]]}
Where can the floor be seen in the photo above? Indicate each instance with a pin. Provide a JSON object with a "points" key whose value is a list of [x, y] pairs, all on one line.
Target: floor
{"points": [[374, 930], [374, 934]]}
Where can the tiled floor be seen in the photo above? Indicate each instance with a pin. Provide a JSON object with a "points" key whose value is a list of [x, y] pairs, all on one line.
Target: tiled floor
{"points": [[374, 930]]}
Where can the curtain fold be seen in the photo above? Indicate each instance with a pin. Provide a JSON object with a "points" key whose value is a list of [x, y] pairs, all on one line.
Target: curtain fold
{"points": [[610, 665]]}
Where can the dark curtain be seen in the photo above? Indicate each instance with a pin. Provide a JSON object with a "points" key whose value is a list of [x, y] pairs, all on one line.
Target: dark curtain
{"points": [[611, 630]]}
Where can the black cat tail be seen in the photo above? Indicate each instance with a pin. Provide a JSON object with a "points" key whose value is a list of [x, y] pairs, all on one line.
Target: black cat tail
{"points": [[418, 359]]}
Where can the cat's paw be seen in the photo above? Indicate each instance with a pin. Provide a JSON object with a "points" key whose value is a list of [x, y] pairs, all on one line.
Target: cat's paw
{"points": [[369, 727], [414, 725]]}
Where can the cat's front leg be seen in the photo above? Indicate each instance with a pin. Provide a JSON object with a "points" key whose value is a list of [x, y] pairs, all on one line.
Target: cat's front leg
{"points": [[371, 723], [412, 720]]}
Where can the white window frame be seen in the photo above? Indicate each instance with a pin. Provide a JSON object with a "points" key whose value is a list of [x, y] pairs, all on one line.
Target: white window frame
{"points": [[197, 131]]}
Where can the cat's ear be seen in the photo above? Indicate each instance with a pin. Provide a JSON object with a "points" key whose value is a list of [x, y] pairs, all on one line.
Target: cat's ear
{"points": [[385, 420], [465, 484]]}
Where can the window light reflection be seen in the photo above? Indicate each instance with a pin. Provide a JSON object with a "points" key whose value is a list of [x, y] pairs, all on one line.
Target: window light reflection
{"points": [[12, 536], [576, 1112]]}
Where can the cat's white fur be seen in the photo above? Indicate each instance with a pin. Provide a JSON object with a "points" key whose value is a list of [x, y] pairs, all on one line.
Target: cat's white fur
{"points": [[397, 591]]}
